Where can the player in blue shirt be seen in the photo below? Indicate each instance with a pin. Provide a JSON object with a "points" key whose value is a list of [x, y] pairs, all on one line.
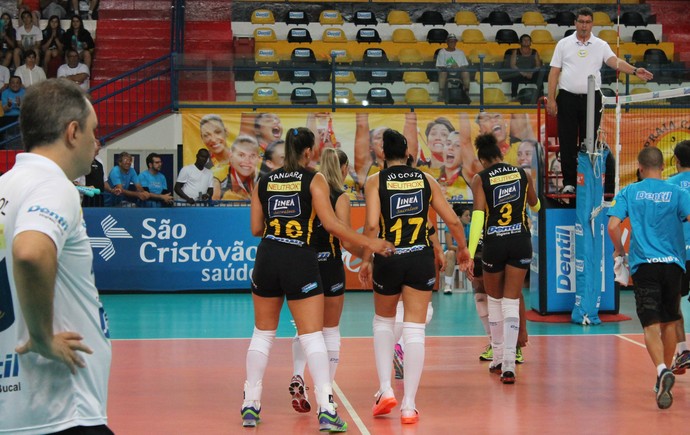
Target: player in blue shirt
{"points": [[682, 156], [656, 210]]}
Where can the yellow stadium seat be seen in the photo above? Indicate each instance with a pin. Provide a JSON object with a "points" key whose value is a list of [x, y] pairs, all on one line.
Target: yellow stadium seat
{"points": [[265, 55], [266, 76], [410, 55], [415, 77], [494, 96], [417, 96], [396, 18], [466, 18], [473, 36], [264, 34], [475, 53], [546, 54], [345, 77], [490, 77], [263, 16], [602, 19], [334, 35], [608, 35], [542, 36], [640, 90], [328, 17], [342, 96], [533, 18], [265, 95], [341, 55], [404, 35]]}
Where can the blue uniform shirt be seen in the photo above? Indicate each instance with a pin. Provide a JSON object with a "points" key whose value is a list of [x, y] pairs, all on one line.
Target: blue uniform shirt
{"points": [[683, 180], [116, 177], [656, 210], [155, 184]]}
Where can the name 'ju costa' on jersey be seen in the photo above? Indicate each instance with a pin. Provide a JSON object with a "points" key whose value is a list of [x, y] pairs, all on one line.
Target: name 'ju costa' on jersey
{"points": [[505, 188], [286, 201], [405, 194]]}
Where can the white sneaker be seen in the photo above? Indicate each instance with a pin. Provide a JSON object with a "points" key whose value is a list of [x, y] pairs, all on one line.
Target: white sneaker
{"points": [[568, 189], [448, 290]]}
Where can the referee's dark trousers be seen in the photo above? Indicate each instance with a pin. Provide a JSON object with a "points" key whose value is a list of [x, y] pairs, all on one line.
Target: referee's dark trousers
{"points": [[572, 129]]}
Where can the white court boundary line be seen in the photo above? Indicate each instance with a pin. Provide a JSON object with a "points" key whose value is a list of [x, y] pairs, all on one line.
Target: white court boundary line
{"points": [[346, 403], [631, 341]]}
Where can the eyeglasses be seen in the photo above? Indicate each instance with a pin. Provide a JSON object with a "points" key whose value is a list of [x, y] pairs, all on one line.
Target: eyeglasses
{"points": [[584, 22]]}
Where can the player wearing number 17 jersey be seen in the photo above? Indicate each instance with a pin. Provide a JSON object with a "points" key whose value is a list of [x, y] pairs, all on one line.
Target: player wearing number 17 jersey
{"points": [[398, 200]]}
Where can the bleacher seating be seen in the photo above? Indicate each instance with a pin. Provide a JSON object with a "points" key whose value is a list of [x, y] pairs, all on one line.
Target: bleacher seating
{"points": [[398, 18], [380, 96], [507, 36], [330, 17], [296, 17], [368, 36], [431, 18], [263, 16], [466, 18], [533, 18], [417, 95], [303, 96]]}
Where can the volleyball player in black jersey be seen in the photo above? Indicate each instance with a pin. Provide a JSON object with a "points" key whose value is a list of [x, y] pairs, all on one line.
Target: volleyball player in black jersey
{"points": [[398, 199], [284, 208], [333, 165], [501, 193]]}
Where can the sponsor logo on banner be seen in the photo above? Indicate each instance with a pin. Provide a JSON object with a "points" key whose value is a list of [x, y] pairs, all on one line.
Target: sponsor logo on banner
{"points": [[565, 253], [105, 244]]}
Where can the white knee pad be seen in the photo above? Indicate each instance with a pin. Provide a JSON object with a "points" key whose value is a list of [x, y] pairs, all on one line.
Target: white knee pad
{"points": [[481, 303], [429, 313], [312, 343], [511, 308], [383, 323], [262, 341], [413, 333], [331, 336], [495, 310], [399, 312]]}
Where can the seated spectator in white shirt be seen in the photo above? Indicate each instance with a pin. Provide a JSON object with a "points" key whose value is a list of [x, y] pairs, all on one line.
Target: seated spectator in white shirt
{"points": [[75, 70], [195, 181], [30, 72], [4, 77]]}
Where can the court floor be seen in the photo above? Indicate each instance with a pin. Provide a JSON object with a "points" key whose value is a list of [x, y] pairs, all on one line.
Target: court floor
{"points": [[178, 368]]}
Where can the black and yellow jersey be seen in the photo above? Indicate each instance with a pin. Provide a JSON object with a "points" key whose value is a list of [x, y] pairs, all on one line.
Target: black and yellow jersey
{"points": [[505, 188]]}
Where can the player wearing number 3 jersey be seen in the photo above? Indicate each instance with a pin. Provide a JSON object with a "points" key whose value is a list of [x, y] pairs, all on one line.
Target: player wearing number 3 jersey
{"points": [[398, 200], [501, 193]]}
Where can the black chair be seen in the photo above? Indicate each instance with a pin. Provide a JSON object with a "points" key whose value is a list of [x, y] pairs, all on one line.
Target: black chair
{"points": [[564, 18], [644, 36], [528, 95], [431, 18], [368, 36], [498, 18], [376, 57], [302, 55], [507, 36], [302, 76], [568, 32], [303, 96], [655, 55], [437, 36], [296, 17], [633, 19], [299, 35], [379, 96], [608, 92], [364, 18]]}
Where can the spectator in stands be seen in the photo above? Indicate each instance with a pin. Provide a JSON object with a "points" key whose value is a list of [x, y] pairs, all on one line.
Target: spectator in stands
{"points": [[195, 181], [214, 135], [527, 63], [11, 104], [120, 180], [30, 72], [95, 179], [86, 9], [50, 8], [75, 70], [52, 45], [575, 58], [78, 38], [33, 7], [4, 77], [274, 157], [8, 36], [29, 38], [155, 183], [239, 183], [451, 62]]}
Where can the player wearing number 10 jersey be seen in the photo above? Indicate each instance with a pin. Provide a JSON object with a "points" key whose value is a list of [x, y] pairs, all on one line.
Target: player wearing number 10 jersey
{"points": [[398, 200]]}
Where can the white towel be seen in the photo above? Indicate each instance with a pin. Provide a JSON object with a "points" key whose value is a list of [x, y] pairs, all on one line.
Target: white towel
{"points": [[621, 270]]}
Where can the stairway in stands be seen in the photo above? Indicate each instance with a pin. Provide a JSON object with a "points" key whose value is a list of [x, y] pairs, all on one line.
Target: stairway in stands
{"points": [[671, 14]]}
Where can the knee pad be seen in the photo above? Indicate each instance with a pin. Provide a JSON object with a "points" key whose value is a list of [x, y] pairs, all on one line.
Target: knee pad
{"points": [[414, 333], [312, 343], [383, 323], [262, 341], [511, 308], [495, 310], [331, 336]]}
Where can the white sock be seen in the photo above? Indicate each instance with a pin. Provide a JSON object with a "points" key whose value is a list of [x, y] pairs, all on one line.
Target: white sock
{"points": [[681, 347], [511, 328], [449, 281], [257, 355], [384, 341], [429, 313], [398, 327], [413, 335], [331, 336], [317, 358], [496, 328], [483, 311], [660, 368], [299, 360]]}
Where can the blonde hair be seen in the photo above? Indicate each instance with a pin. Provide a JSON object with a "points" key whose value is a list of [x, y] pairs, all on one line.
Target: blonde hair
{"points": [[330, 168]]}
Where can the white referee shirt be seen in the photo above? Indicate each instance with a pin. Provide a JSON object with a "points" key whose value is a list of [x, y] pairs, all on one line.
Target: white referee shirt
{"points": [[578, 61], [38, 395]]}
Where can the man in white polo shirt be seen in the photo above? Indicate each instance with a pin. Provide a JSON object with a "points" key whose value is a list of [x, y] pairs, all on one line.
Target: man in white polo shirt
{"points": [[74, 70], [54, 337], [575, 58], [195, 181]]}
